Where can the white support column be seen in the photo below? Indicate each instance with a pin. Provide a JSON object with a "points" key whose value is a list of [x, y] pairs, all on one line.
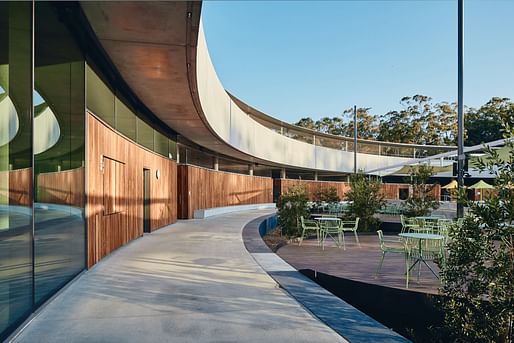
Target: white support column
{"points": [[283, 173], [216, 163], [315, 176], [250, 169]]}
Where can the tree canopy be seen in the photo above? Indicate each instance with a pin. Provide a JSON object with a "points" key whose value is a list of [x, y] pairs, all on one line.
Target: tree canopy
{"points": [[420, 120]]}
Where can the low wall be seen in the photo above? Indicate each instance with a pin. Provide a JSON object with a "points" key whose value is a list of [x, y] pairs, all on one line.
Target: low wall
{"points": [[201, 188]]}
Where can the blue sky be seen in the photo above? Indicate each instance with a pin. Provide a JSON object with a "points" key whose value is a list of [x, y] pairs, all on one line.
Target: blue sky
{"points": [[293, 59]]}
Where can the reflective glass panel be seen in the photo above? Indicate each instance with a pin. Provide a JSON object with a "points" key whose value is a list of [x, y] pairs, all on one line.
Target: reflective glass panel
{"points": [[59, 121], [15, 164]]}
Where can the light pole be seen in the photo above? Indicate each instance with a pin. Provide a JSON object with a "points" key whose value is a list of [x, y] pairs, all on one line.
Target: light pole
{"points": [[355, 139], [460, 104]]}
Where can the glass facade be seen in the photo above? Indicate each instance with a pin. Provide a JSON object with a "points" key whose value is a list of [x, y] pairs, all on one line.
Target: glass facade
{"points": [[59, 129], [16, 267], [103, 103], [42, 128]]}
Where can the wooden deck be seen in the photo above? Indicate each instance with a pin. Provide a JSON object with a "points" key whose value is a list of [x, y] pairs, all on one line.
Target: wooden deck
{"points": [[359, 264]]}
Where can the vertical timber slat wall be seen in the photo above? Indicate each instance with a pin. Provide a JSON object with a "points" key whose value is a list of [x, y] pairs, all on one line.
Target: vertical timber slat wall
{"points": [[201, 188], [108, 229]]}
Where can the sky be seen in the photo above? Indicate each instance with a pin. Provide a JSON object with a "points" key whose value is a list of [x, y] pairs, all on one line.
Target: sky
{"points": [[292, 59]]}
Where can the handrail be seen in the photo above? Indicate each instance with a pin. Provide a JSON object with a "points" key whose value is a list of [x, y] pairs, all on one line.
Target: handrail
{"points": [[345, 143]]}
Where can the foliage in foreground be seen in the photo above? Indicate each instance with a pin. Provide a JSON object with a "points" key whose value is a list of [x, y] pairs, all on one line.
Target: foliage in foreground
{"points": [[421, 199], [291, 205], [366, 199], [479, 273]]}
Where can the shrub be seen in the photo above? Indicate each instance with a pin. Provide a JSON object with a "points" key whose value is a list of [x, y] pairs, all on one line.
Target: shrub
{"points": [[479, 273], [421, 199], [366, 199], [291, 205], [328, 194]]}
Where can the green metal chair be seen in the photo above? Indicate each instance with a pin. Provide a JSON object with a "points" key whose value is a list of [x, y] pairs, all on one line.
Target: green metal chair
{"points": [[408, 224], [394, 248], [332, 229], [309, 226], [350, 226]]}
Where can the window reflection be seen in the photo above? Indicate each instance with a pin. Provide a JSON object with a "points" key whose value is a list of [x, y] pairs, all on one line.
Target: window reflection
{"points": [[15, 164], [59, 226]]}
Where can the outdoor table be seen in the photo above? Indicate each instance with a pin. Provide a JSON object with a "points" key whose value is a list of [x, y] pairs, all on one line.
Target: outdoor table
{"points": [[421, 237], [326, 218], [326, 230]]}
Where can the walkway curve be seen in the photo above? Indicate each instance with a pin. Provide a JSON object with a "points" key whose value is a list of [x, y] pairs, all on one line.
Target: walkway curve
{"points": [[193, 281]]}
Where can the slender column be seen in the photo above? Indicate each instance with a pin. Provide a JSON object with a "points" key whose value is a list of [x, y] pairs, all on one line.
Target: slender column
{"points": [[355, 139], [315, 176], [250, 169], [283, 173], [460, 104], [216, 163]]}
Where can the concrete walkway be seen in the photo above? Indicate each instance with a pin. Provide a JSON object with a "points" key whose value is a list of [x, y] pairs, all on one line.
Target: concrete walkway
{"points": [[190, 282]]}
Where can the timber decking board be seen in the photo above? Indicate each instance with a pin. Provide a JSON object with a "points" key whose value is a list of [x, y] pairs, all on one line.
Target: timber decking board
{"points": [[358, 264]]}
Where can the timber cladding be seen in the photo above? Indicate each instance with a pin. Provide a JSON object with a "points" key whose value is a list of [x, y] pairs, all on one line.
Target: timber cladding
{"points": [[114, 189], [201, 188], [55, 187], [391, 191]]}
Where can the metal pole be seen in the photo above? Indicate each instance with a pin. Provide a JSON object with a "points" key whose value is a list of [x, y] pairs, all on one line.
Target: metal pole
{"points": [[355, 139], [460, 105]]}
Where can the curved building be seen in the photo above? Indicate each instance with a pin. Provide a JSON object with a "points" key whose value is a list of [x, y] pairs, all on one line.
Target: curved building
{"points": [[114, 123]]}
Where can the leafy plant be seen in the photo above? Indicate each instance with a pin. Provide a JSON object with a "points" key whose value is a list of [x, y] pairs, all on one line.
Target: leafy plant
{"points": [[421, 199], [328, 194], [365, 200], [479, 273], [291, 205]]}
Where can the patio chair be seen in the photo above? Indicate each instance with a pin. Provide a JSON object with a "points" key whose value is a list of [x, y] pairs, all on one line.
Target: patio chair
{"points": [[350, 226], [408, 224], [309, 226], [332, 229], [394, 248]]}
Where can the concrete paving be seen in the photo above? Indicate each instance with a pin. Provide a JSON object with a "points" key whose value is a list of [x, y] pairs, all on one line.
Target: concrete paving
{"points": [[193, 281]]}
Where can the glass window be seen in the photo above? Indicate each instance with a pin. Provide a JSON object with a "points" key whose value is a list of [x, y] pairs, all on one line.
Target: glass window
{"points": [[172, 149], [160, 143], [15, 164], [100, 99], [145, 134], [125, 120], [59, 122]]}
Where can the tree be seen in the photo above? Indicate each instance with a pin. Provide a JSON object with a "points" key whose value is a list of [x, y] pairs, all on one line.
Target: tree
{"points": [[479, 273], [307, 123], [291, 205], [484, 125], [328, 194], [365, 200], [421, 199], [366, 123], [419, 122]]}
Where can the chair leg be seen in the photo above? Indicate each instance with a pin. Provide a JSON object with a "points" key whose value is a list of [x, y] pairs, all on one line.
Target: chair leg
{"points": [[379, 268], [357, 238], [407, 271], [419, 270]]}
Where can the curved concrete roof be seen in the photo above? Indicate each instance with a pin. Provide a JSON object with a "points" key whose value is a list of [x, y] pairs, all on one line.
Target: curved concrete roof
{"points": [[159, 49]]}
